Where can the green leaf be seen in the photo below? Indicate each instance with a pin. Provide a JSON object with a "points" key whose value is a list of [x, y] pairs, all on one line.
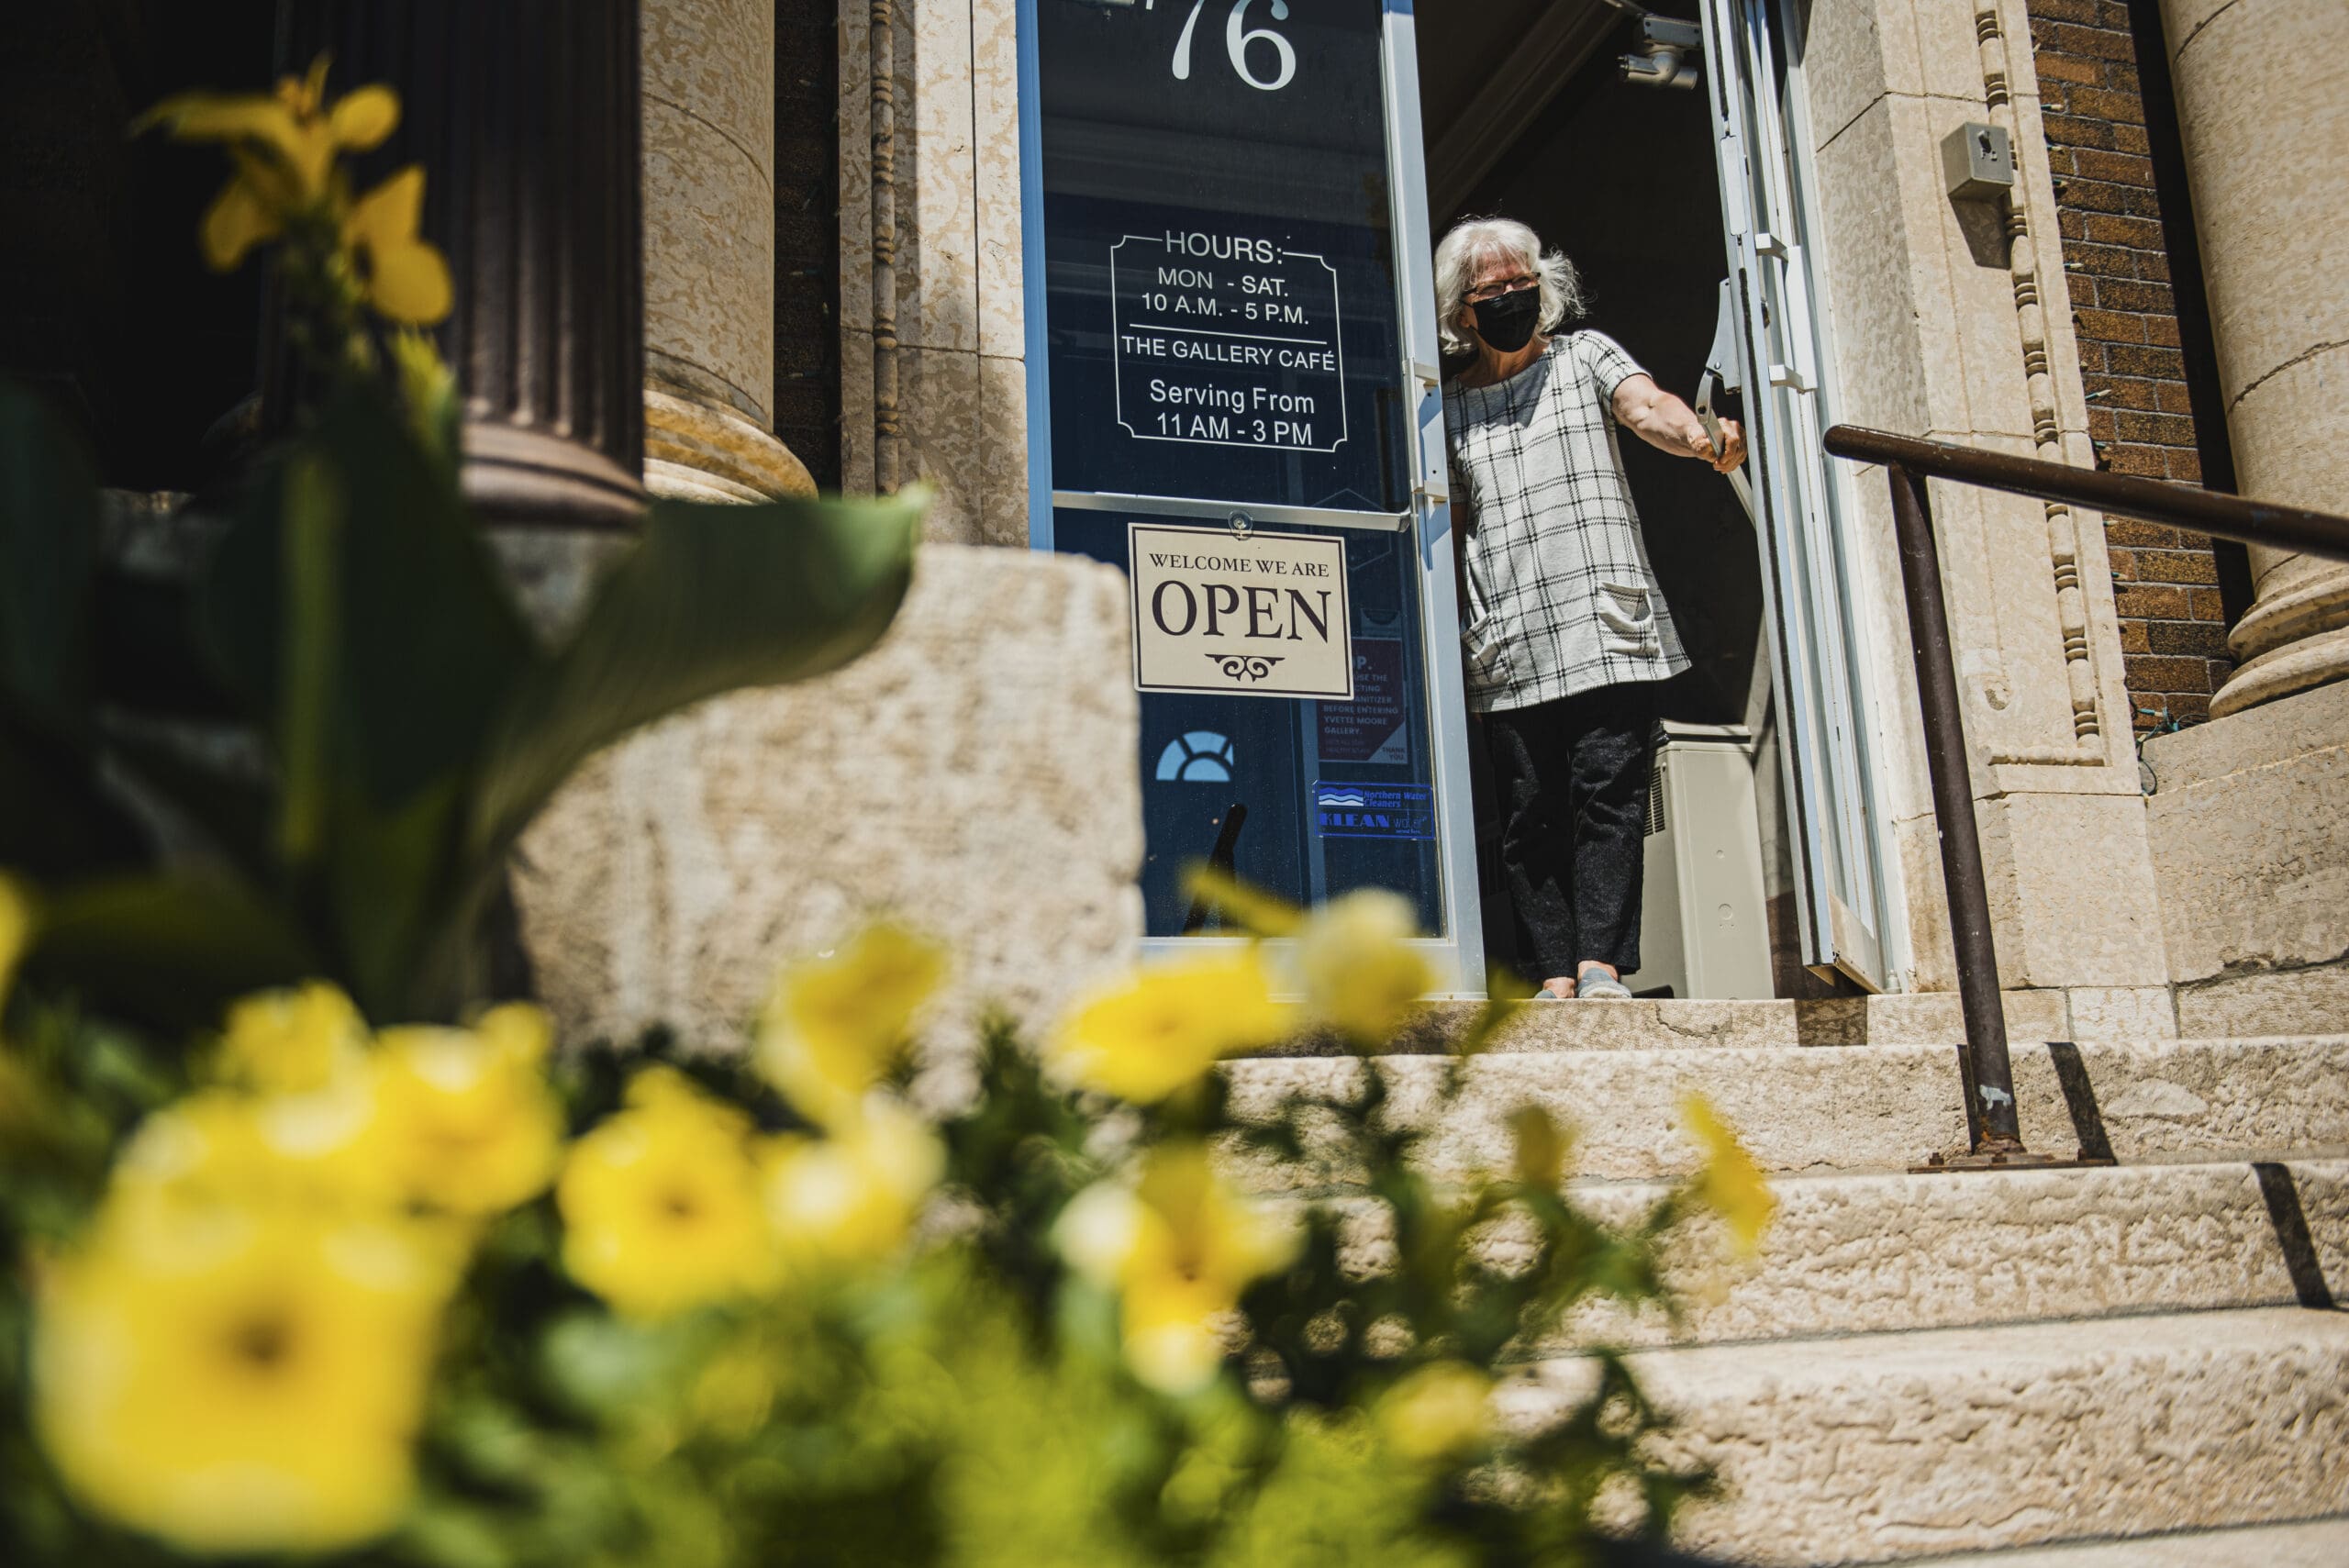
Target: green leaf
{"points": [[712, 599], [170, 951], [391, 891], [428, 647], [56, 819], [230, 813], [48, 525]]}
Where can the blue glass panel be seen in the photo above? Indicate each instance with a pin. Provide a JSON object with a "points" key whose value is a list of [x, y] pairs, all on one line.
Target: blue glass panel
{"points": [[1219, 281], [1329, 795]]}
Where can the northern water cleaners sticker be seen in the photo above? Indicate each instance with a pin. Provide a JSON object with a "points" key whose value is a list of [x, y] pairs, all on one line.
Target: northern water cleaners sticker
{"points": [[1263, 615], [1374, 811]]}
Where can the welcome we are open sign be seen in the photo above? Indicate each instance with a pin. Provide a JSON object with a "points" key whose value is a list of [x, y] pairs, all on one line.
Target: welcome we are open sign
{"points": [[1254, 615]]}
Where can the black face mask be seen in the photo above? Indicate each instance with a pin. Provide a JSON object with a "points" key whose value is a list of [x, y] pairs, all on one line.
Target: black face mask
{"points": [[1506, 321]]}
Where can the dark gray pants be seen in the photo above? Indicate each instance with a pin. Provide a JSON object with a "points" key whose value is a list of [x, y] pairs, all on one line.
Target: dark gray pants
{"points": [[1572, 780]]}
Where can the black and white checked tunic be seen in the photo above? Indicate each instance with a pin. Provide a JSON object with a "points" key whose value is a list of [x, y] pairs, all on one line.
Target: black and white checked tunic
{"points": [[1561, 597]]}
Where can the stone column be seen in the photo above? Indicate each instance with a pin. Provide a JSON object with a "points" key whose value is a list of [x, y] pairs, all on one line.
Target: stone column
{"points": [[709, 253], [2263, 107], [523, 115]]}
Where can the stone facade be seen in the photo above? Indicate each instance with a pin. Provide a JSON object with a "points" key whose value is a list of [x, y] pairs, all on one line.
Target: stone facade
{"points": [[676, 871], [1947, 323], [2140, 413], [710, 241], [934, 383], [1942, 317]]}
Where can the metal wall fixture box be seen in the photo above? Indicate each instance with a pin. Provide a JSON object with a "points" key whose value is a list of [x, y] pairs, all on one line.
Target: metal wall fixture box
{"points": [[1667, 52], [1979, 162]]}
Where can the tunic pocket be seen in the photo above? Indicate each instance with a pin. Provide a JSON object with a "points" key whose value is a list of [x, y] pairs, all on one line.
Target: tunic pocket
{"points": [[1488, 666], [1626, 621]]}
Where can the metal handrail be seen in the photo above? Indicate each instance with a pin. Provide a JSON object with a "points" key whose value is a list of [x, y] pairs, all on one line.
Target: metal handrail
{"points": [[2238, 517], [1992, 1130]]}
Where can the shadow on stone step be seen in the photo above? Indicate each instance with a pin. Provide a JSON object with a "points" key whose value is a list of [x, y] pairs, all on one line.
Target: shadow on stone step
{"points": [[2283, 1197], [2080, 1100], [1647, 1554]]}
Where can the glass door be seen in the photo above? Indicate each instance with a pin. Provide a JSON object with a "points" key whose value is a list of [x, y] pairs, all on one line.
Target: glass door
{"points": [[1232, 398], [1822, 747]]}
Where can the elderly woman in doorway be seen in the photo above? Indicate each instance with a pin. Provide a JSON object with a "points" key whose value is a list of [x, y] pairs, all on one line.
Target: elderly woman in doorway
{"points": [[1565, 631]]}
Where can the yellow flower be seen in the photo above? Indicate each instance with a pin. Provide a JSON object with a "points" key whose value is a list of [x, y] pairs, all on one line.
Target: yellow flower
{"points": [[293, 1040], [1179, 1247], [1252, 909], [16, 929], [1145, 1036], [468, 1123], [218, 1146], [284, 144], [405, 279], [1729, 1181], [1437, 1410], [851, 1197], [1360, 972], [661, 1203], [835, 1025], [239, 1380]]}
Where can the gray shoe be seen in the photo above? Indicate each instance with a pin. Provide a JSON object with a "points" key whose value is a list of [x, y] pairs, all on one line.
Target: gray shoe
{"points": [[1597, 985]]}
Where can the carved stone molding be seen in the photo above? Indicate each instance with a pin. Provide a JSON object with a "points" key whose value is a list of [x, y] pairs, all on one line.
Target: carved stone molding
{"points": [[2047, 431]]}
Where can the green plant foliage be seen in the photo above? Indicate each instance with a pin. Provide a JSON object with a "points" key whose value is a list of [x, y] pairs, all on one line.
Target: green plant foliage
{"points": [[354, 621], [966, 1401]]}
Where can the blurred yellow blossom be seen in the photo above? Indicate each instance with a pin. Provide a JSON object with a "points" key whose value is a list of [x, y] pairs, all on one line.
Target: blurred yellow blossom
{"points": [[1179, 1247], [1145, 1036], [292, 1040], [220, 1146], [1252, 909], [1358, 966], [404, 278], [835, 1025], [851, 1196], [1729, 1182], [240, 1379], [16, 929], [661, 1203], [1436, 1410], [284, 145], [468, 1123]]}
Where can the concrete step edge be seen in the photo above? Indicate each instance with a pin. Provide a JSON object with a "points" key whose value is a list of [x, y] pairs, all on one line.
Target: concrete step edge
{"points": [[1851, 1254], [1885, 1446], [2298, 1543], [1881, 1109]]}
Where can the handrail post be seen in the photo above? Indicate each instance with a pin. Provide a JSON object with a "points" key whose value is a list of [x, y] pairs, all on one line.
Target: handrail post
{"points": [[1991, 1126]]}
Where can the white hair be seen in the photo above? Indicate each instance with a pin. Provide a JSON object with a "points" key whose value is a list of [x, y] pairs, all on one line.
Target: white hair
{"points": [[1471, 243]]}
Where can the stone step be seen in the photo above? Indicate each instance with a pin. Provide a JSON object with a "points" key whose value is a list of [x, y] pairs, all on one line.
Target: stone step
{"points": [[1874, 1108], [2315, 1543], [1921, 1018], [1851, 1254], [1883, 1446]]}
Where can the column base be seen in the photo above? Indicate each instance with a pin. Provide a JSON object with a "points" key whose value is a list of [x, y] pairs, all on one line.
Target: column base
{"points": [[694, 451], [2280, 671], [2250, 831], [534, 478]]}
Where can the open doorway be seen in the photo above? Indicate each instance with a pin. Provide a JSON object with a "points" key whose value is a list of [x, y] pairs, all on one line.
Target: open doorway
{"points": [[1526, 113]]}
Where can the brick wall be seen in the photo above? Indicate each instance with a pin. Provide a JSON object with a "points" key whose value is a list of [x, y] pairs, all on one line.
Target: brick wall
{"points": [[2166, 584]]}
